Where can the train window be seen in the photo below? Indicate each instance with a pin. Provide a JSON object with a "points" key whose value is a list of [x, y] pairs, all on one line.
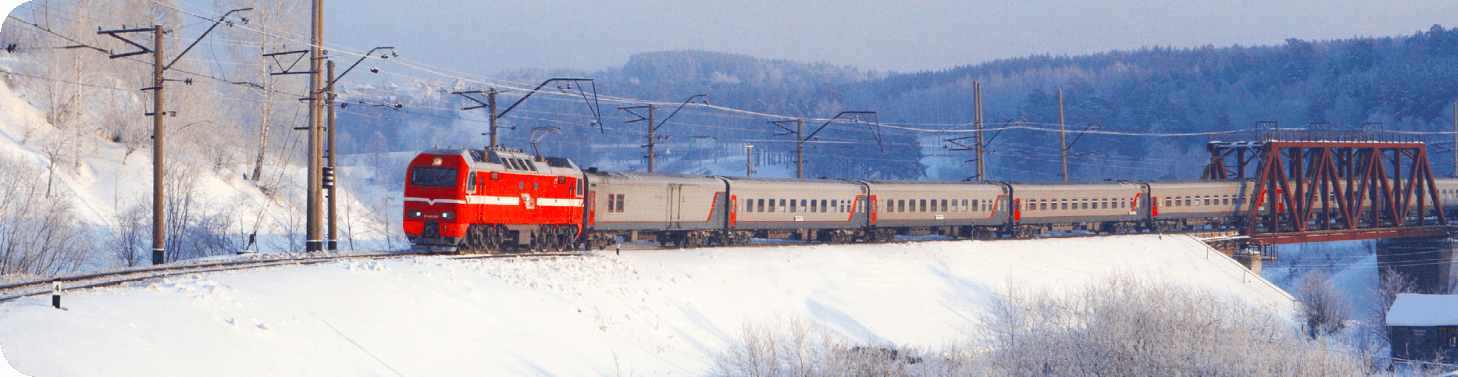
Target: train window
{"points": [[890, 205], [1166, 202], [813, 207], [944, 205], [822, 206], [438, 177], [612, 205], [923, 206], [900, 205], [802, 205], [620, 202], [1187, 201], [793, 206], [1044, 206], [761, 205], [534, 186], [1065, 205], [521, 185], [471, 183], [974, 205]]}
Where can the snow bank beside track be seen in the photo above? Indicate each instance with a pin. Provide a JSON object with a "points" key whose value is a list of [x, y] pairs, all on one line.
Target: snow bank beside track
{"points": [[645, 312]]}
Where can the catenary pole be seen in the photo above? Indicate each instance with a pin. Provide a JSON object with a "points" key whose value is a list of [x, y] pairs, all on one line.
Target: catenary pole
{"points": [[1062, 136], [977, 118], [333, 190], [312, 237], [158, 228]]}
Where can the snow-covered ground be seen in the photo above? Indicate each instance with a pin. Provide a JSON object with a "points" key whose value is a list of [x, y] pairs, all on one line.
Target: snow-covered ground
{"points": [[658, 312]]}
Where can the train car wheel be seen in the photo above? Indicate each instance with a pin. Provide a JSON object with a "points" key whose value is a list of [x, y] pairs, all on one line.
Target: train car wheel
{"points": [[564, 238], [493, 237], [475, 239], [559, 239]]}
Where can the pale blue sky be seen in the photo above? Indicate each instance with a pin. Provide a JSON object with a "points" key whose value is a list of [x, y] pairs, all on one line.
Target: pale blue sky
{"points": [[490, 36]]}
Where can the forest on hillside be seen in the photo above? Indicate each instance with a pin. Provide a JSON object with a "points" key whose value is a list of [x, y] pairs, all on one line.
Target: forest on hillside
{"points": [[1392, 83]]}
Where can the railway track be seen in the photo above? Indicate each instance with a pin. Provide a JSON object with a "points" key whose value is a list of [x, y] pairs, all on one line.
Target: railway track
{"points": [[14, 291]]}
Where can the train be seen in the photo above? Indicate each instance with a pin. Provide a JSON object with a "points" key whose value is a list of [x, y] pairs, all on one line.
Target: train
{"points": [[499, 199]]}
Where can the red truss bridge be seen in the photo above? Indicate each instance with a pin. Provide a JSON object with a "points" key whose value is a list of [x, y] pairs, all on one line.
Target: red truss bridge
{"points": [[1322, 186]]}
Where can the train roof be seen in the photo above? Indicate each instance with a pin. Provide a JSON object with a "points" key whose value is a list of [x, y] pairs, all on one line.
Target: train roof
{"points": [[495, 158], [789, 180], [642, 176], [947, 183], [1063, 184]]}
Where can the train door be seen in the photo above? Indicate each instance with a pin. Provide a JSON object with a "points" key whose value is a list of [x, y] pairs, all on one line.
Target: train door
{"points": [[674, 205]]}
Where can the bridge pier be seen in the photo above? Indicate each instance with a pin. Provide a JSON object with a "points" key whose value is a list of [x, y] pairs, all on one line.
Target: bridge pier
{"points": [[1250, 257], [1428, 261]]}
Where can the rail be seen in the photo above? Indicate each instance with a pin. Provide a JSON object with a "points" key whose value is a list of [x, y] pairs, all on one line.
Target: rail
{"points": [[110, 278]]}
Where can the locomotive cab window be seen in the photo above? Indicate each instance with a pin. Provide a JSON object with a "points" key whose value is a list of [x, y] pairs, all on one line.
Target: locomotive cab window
{"points": [[471, 183], [434, 177]]}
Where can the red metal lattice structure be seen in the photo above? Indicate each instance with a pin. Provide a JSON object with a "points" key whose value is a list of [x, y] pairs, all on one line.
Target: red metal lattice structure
{"points": [[1320, 186]]}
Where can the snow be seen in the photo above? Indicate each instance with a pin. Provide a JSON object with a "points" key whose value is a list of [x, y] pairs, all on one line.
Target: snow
{"points": [[643, 312], [109, 182], [1413, 309]]}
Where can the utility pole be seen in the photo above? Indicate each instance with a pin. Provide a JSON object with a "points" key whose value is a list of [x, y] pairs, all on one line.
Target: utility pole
{"points": [[1062, 136], [158, 228], [490, 103], [977, 119], [800, 148], [330, 178], [800, 137], [312, 238], [748, 160], [652, 137], [653, 127], [1455, 139]]}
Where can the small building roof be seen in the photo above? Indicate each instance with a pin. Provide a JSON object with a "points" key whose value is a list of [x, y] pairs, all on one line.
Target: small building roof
{"points": [[1412, 309]]}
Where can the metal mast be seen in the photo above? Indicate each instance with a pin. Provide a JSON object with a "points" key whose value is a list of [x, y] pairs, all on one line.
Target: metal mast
{"points": [[977, 119], [1062, 137], [312, 238]]}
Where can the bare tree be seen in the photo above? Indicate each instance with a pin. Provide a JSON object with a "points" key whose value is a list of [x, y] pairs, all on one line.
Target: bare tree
{"points": [[38, 235], [130, 238], [1323, 307]]}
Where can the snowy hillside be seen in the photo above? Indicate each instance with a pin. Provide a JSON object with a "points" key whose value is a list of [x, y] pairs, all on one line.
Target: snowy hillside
{"points": [[665, 312], [110, 191]]}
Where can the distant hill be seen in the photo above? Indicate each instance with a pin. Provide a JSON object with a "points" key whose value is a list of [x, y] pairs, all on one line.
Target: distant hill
{"points": [[1396, 83]]}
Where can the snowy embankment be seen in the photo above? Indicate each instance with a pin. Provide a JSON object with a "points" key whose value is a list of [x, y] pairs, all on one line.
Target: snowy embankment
{"points": [[662, 312]]}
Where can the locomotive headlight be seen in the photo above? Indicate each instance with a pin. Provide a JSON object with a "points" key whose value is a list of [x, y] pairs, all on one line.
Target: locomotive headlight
{"points": [[414, 213], [448, 215]]}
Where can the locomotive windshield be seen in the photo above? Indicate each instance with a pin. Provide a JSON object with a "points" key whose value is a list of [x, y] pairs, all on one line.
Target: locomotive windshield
{"points": [[439, 177]]}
